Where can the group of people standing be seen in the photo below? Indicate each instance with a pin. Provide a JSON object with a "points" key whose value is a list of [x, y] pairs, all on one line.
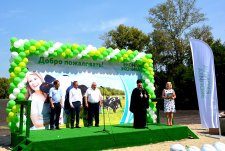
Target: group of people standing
{"points": [[140, 103], [93, 100], [46, 106]]}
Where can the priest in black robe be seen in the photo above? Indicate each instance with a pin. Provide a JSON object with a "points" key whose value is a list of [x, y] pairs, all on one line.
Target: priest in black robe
{"points": [[139, 104]]}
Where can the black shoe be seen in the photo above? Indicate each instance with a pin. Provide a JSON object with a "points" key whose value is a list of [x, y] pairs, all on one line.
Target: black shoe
{"points": [[57, 128], [72, 127], [97, 125], [78, 127], [51, 128]]}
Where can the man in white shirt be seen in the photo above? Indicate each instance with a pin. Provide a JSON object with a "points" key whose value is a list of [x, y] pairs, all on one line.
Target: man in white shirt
{"points": [[75, 99], [93, 99]]}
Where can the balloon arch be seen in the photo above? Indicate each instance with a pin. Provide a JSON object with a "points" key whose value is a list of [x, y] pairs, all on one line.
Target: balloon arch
{"points": [[21, 49]]}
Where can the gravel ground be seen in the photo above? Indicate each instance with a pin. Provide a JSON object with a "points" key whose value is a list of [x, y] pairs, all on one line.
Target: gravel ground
{"points": [[189, 118]]}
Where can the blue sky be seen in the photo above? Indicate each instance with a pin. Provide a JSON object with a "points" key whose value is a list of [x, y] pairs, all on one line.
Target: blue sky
{"points": [[82, 21]]}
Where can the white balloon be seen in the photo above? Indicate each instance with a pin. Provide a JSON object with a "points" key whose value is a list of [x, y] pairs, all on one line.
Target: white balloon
{"points": [[57, 45], [153, 88], [193, 148], [45, 54], [177, 147], [207, 147], [147, 81], [12, 97], [51, 50], [17, 44], [24, 81], [79, 56], [219, 146], [14, 54], [16, 91], [117, 50], [84, 52], [21, 85], [107, 58]]}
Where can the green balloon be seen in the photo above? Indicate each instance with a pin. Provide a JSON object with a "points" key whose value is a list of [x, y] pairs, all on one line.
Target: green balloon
{"points": [[149, 56], [13, 39], [11, 103], [94, 58], [75, 52], [135, 52], [153, 96], [150, 120], [64, 46], [33, 42], [27, 45], [105, 53], [16, 80], [152, 105], [123, 51], [59, 51], [8, 110], [80, 48], [25, 70], [11, 70], [21, 97], [21, 49], [16, 119], [37, 52], [22, 54], [55, 54], [12, 49], [131, 56], [119, 55], [13, 64], [22, 75], [100, 57], [23, 91], [42, 49], [47, 45], [18, 59], [12, 85]]}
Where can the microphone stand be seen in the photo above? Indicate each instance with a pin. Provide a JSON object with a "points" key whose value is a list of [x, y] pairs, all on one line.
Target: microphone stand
{"points": [[104, 129]]}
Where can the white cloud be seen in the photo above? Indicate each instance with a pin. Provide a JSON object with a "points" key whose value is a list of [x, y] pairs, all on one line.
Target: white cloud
{"points": [[102, 25]]}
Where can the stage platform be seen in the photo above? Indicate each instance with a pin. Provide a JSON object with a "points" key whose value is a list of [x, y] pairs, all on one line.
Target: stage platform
{"points": [[94, 138]]}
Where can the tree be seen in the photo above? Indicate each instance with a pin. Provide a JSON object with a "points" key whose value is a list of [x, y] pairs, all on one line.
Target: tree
{"points": [[4, 87], [171, 21], [174, 22], [219, 61], [126, 37]]}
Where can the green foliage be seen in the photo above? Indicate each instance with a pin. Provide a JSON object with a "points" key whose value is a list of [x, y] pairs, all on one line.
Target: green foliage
{"points": [[126, 37], [172, 21], [111, 91], [4, 87]]}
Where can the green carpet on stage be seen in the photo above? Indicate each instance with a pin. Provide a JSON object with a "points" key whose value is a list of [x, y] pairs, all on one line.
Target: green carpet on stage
{"points": [[95, 138]]}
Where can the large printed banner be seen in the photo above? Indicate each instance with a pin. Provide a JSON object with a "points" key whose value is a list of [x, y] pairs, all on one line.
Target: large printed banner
{"points": [[205, 81], [115, 80]]}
